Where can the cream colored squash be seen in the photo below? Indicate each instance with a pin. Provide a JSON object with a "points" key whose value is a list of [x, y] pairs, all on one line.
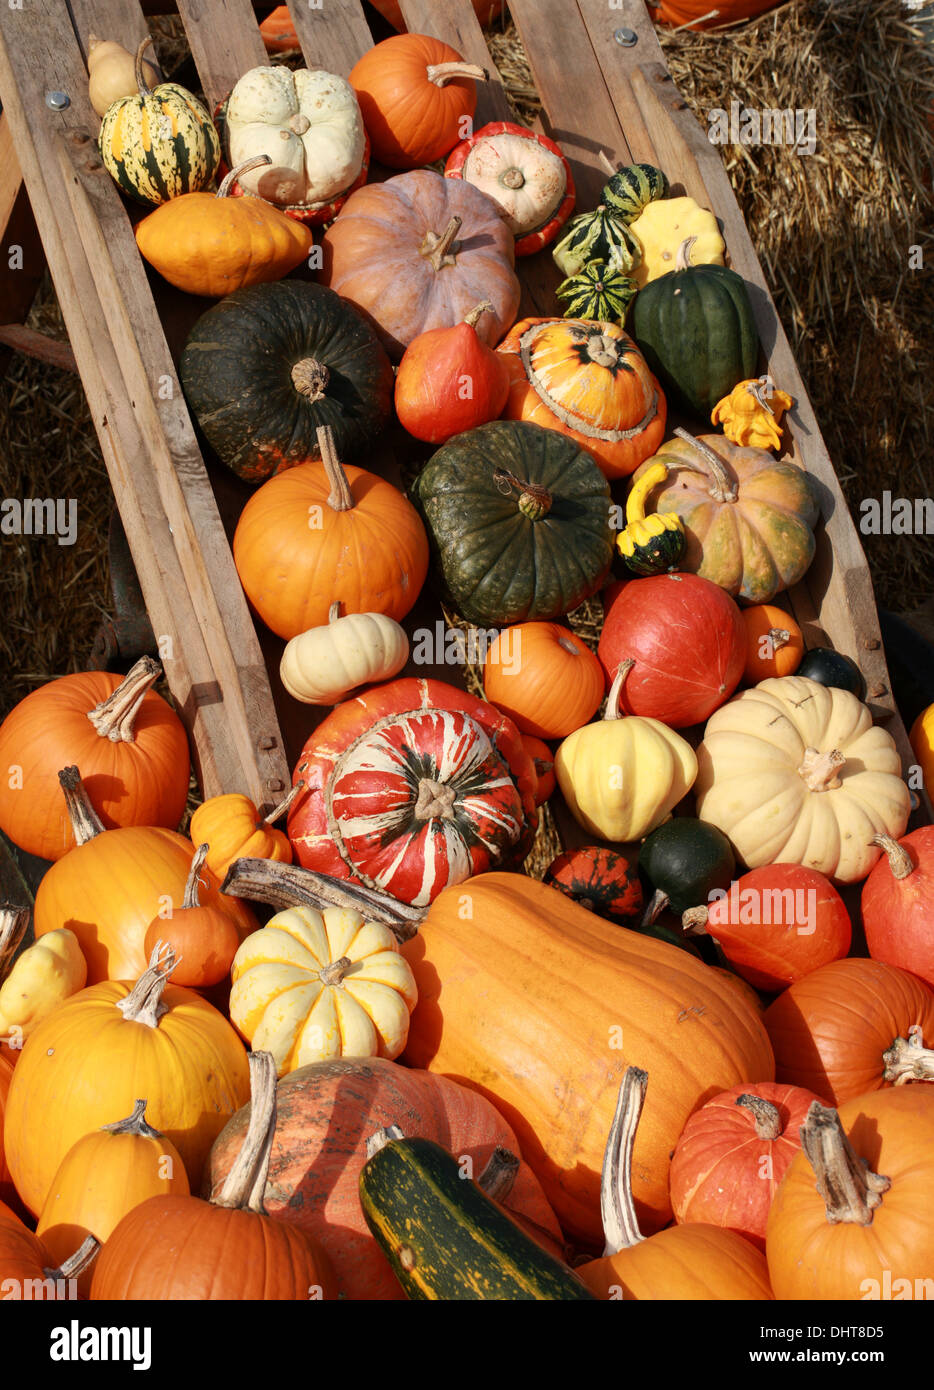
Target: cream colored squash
{"points": [[322, 665], [663, 225], [112, 73], [622, 776], [309, 124], [43, 977], [310, 986], [525, 178], [796, 773]]}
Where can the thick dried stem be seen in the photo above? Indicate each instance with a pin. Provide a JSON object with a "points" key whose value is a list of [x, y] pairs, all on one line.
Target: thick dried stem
{"points": [[78, 1262], [694, 921], [778, 637], [441, 250], [340, 498], [381, 1138], [134, 1124], [908, 1059], [439, 73], [617, 1208], [534, 500], [13, 923], [334, 973], [766, 1115], [850, 1191], [819, 770], [144, 91], [484, 307], [85, 822], [499, 1175], [435, 800], [310, 378], [144, 1002], [115, 717], [228, 181], [654, 908], [283, 805], [900, 861], [245, 1184], [616, 689], [288, 885], [191, 887], [722, 487]]}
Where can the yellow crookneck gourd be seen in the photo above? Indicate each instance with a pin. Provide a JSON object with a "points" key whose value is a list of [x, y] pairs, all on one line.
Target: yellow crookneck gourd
{"points": [[650, 544], [752, 413], [43, 977], [622, 776]]}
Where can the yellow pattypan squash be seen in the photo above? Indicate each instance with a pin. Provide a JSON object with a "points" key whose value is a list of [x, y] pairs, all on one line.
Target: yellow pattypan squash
{"points": [[622, 776], [44, 976], [752, 413], [661, 228]]}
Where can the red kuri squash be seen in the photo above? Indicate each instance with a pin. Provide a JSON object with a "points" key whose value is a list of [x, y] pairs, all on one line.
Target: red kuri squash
{"points": [[544, 677], [449, 380], [898, 903]]}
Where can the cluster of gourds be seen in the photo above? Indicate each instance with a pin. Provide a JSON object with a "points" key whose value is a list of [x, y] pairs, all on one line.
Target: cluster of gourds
{"points": [[337, 1157]]}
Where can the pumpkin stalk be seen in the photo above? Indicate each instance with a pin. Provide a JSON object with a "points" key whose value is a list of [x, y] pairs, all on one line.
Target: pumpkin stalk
{"points": [[283, 805], [13, 923], [340, 498], [85, 822], [191, 887], [722, 487], [778, 637], [144, 90], [612, 700], [114, 717], [381, 1138], [766, 1115], [310, 378], [288, 885], [435, 800], [534, 500], [245, 1184], [654, 908], [819, 770], [144, 1003], [848, 1188], [683, 257], [617, 1208], [484, 307], [334, 973], [694, 921], [134, 1124], [908, 1059], [77, 1263], [230, 179], [900, 860], [499, 1175], [439, 73], [441, 250]]}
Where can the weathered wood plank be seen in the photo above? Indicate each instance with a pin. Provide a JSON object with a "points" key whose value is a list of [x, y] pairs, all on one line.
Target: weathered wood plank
{"points": [[225, 42], [22, 260], [333, 36]]}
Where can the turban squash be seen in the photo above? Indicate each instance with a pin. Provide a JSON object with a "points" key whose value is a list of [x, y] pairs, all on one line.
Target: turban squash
{"points": [[525, 173], [589, 381]]}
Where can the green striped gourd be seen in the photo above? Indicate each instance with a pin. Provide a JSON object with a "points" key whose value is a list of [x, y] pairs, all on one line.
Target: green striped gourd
{"points": [[629, 190], [159, 143], [601, 235], [597, 292]]}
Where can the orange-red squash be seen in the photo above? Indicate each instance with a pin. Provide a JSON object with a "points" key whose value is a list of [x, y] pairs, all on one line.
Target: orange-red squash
{"points": [[449, 380]]}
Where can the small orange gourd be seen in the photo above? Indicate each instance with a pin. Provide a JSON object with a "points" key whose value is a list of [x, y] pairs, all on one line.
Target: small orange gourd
{"points": [[544, 677], [449, 380], [233, 829], [774, 643], [203, 937]]}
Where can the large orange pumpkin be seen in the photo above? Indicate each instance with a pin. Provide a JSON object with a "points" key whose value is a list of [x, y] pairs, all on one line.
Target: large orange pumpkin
{"points": [[173, 1248], [102, 1049], [326, 1112], [865, 1230], [546, 679], [7, 1191], [322, 533], [108, 889], [485, 10], [417, 97], [590, 381], [132, 746], [27, 1268], [686, 1262]]}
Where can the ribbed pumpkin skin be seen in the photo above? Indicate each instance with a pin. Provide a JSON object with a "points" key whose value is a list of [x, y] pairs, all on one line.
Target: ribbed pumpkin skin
{"points": [[698, 334], [499, 566], [325, 1114], [409, 119], [898, 914], [152, 166], [86, 1063], [722, 1173], [694, 1263], [811, 1259], [143, 782], [108, 890], [236, 371], [181, 1248], [521, 1001], [830, 1029], [7, 1191]]}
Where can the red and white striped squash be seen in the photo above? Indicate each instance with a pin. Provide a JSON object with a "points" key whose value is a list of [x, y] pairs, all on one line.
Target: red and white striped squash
{"points": [[411, 787], [522, 171]]}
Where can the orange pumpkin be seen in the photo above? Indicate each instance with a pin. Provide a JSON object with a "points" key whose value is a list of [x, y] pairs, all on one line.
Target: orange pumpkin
{"points": [[203, 937], [544, 677], [774, 643], [417, 97], [686, 1262], [104, 1047], [866, 1229], [7, 1190], [323, 533], [106, 1173], [109, 888], [485, 10], [233, 829], [173, 1248], [590, 381], [26, 1264], [132, 746], [278, 31], [702, 14], [449, 380], [544, 761]]}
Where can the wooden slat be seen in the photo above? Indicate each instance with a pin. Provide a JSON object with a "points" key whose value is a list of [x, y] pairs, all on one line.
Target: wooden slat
{"points": [[333, 36], [184, 564], [20, 280], [225, 42], [109, 19], [455, 22]]}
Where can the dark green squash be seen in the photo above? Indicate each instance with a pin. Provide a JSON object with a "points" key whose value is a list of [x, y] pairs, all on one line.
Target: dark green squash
{"points": [[519, 521], [629, 190], [445, 1239], [597, 292], [268, 365], [827, 667], [697, 331], [600, 880], [685, 860]]}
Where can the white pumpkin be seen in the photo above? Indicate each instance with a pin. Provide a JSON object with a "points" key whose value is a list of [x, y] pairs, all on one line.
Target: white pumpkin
{"points": [[322, 665], [307, 122], [525, 178], [310, 986], [794, 772]]}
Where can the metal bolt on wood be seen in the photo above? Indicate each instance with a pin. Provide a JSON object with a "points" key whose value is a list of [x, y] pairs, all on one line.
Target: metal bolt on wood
{"points": [[57, 100], [626, 37]]}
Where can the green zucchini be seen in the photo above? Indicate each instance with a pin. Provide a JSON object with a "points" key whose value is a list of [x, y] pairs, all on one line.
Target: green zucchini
{"points": [[445, 1239]]}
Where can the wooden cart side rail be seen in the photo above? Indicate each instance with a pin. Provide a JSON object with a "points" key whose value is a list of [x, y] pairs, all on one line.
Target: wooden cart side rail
{"points": [[186, 571]]}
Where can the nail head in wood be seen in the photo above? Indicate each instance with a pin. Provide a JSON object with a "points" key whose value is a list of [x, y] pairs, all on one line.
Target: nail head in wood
{"points": [[275, 784], [626, 37], [57, 100]]}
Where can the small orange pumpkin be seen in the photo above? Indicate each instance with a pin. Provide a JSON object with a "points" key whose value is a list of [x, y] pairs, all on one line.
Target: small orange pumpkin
{"points": [[449, 380], [544, 762], [544, 677], [774, 643], [590, 381], [203, 937], [233, 829]]}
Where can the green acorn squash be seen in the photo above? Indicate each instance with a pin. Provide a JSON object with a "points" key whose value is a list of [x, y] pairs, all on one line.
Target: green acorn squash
{"points": [[269, 365], [519, 520], [629, 190], [686, 860], [697, 332]]}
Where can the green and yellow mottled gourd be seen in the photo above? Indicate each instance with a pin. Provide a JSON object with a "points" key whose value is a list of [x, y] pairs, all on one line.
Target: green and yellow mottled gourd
{"points": [[598, 292], [159, 143], [650, 544], [601, 235], [632, 188]]}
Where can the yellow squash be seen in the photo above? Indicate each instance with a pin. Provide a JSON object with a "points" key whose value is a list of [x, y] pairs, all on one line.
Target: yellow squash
{"points": [[44, 976], [662, 226], [621, 777]]}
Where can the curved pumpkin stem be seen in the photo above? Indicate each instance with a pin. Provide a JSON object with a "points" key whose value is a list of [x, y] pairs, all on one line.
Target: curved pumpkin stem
{"points": [[283, 805], [340, 498], [439, 73], [144, 91], [616, 689], [694, 920], [441, 250], [115, 717], [900, 861], [654, 908], [722, 487], [78, 1262], [484, 307], [534, 500], [85, 822], [13, 923], [288, 885], [683, 255], [499, 1174], [230, 179], [245, 1184], [767, 1117], [134, 1124], [191, 887], [908, 1059], [144, 1003], [850, 1191], [617, 1208]]}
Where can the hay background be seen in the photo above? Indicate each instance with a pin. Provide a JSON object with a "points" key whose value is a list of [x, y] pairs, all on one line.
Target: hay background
{"points": [[832, 230]]}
